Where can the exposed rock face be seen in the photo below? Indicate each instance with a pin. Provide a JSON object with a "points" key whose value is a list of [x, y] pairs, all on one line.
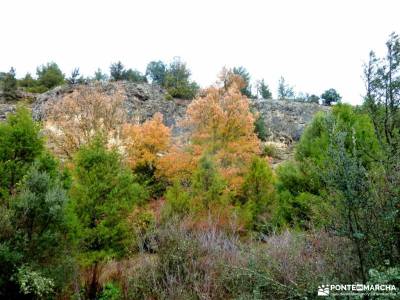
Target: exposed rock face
{"points": [[6, 108], [10, 106], [141, 101], [285, 120]]}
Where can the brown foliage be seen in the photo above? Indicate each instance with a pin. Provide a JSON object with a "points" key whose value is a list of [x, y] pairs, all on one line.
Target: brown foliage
{"points": [[79, 116], [220, 124], [227, 79], [178, 163], [145, 143]]}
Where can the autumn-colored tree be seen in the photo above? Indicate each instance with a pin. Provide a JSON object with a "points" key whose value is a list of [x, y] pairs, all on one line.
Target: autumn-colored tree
{"points": [[144, 146], [221, 125], [144, 143], [179, 163], [227, 78], [76, 118]]}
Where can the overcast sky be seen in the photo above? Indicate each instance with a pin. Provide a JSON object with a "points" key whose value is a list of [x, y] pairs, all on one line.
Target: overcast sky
{"points": [[315, 45]]}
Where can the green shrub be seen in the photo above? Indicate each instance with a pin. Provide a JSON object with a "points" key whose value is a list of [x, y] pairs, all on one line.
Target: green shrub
{"points": [[20, 145], [260, 128], [50, 76], [271, 151], [258, 193], [34, 284], [177, 80], [168, 96], [8, 84], [177, 201], [111, 291]]}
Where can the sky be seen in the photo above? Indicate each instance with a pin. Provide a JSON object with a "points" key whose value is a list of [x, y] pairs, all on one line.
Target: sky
{"points": [[314, 45]]}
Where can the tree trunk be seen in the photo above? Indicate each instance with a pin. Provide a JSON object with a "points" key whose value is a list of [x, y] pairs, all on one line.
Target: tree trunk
{"points": [[93, 287]]}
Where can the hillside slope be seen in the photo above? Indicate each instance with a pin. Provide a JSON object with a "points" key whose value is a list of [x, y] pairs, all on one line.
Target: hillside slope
{"points": [[284, 120]]}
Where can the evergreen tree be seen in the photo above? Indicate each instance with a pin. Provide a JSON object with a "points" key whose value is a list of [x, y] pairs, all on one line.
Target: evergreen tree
{"points": [[177, 81], [9, 85], [50, 75], [74, 77], [313, 99], [134, 76], [245, 75], [20, 144], [258, 188], [260, 128], [41, 226], [284, 90], [102, 195], [330, 96], [382, 102], [207, 184], [32, 213], [156, 71], [177, 200], [263, 90], [28, 82], [117, 71], [99, 75]]}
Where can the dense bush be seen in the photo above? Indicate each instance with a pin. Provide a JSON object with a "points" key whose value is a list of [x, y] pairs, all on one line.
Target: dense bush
{"points": [[20, 144]]}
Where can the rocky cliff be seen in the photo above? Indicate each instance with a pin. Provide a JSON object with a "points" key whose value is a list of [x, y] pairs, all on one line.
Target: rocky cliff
{"points": [[285, 120], [141, 101]]}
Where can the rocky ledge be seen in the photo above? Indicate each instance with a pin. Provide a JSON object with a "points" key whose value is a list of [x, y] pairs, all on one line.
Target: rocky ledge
{"points": [[284, 120]]}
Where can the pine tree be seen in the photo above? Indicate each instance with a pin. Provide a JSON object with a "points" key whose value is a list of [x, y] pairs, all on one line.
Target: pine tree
{"points": [[284, 90], [245, 75], [258, 188], [207, 184], [263, 90], [50, 75], [9, 85], [102, 195]]}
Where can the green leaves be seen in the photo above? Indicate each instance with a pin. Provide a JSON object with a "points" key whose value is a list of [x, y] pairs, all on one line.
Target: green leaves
{"points": [[33, 283], [103, 193], [207, 184], [20, 144], [49, 75], [8, 83], [331, 96], [177, 80]]}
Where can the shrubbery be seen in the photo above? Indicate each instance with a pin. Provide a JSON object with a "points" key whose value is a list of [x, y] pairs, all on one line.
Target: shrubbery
{"points": [[210, 264]]}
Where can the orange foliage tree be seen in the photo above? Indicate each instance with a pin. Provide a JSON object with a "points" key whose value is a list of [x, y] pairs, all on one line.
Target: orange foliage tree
{"points": [[145, 143], [220, 124], [77, 117]]}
